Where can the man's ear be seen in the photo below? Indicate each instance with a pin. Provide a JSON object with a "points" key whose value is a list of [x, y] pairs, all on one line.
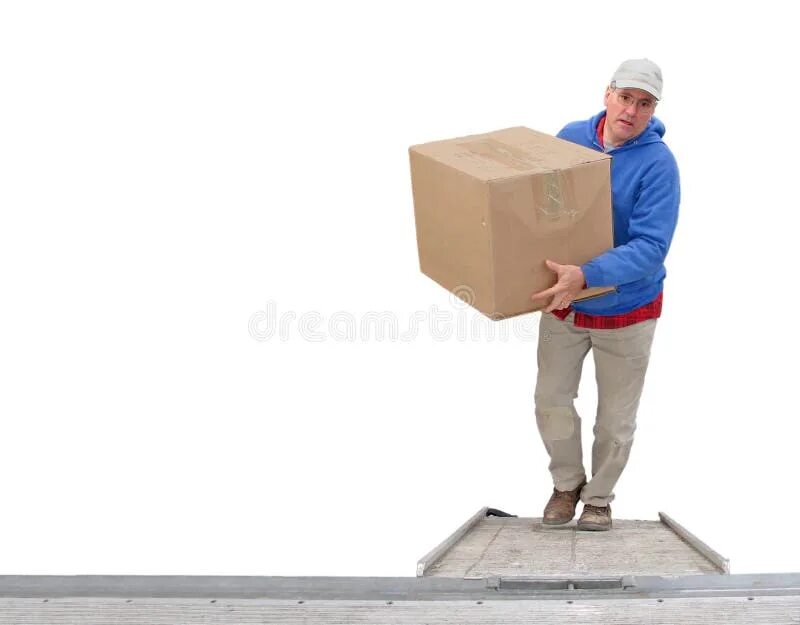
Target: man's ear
{"points": [[607, 95]]}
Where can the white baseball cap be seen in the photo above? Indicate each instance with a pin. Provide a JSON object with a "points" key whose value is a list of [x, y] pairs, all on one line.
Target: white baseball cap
{"points": [[639, 74]]}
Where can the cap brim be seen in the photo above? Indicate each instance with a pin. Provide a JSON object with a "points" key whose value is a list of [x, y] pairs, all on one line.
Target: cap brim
{"points": [[635, 84]]}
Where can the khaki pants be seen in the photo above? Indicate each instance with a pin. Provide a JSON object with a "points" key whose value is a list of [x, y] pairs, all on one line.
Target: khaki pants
{"points": [[620, 358]]}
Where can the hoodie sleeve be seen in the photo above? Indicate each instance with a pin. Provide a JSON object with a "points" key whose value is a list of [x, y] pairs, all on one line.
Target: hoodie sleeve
{"points": [[565, 134], [650, 229]]}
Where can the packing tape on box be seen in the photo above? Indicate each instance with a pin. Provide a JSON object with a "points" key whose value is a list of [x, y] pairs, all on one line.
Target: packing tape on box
{"points": [[501, 153], [554, 195]]}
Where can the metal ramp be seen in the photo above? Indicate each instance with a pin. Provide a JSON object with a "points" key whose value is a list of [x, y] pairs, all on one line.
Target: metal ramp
{"points": [[492, 543]]}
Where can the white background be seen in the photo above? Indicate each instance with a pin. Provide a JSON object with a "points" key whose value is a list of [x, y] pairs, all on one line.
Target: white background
{"points": [[171, 171]]}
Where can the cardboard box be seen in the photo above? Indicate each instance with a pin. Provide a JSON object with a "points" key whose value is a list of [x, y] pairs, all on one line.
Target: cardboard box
{"points": [[491, 208]]}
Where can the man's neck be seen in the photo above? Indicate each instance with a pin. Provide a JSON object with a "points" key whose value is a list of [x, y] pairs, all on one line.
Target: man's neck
{"points": [[609, 143], [602, 135]]}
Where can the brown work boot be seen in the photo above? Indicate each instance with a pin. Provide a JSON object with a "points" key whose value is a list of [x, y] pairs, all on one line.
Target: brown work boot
{"points": [[561, 507], [595, 518]]}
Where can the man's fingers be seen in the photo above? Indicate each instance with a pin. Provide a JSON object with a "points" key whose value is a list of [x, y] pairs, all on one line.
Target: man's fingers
{"points": [[553, 290], [552, 265], [558, 303]]}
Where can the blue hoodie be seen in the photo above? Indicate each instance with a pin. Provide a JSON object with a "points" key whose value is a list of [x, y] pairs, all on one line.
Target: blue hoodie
{"points": [[645, 192]]}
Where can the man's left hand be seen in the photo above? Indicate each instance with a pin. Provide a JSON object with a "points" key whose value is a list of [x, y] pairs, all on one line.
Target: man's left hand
{"points": [[571, 281]]}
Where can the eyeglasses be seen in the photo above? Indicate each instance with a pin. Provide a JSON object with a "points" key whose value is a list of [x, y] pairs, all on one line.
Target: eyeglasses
{"points": [[645, 105]]}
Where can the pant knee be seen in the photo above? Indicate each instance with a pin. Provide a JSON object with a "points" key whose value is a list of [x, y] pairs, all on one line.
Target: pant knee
{"points": [[556, 422], [618, 432]]}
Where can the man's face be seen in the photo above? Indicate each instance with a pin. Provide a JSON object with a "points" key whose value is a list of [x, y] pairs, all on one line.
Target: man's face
{"points": [[627, 113]]}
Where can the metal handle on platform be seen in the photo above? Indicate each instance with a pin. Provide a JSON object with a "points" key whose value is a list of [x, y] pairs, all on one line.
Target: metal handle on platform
{"points": [[535, 584]]}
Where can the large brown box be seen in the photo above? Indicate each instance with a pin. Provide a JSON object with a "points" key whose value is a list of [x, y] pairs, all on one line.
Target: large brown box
{"points": [[491, 208]]}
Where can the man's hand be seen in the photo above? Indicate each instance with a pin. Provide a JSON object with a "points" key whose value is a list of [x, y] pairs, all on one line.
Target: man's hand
{"points": [[570, 282]]}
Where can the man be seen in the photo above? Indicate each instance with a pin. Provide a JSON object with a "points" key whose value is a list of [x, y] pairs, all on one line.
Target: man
{"points": [[617, 327]]}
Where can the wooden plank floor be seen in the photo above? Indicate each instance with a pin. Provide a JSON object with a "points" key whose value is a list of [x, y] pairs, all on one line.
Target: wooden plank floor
{"points": [[524, 547], [738, 610]]}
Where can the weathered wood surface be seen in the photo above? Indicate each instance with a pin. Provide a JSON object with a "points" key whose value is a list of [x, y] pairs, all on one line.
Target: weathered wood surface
{"points": [[738, 610], [525, 547]]}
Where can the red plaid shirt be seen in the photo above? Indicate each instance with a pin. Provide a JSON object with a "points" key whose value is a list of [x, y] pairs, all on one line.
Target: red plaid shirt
{"points": [[611, 322]]}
